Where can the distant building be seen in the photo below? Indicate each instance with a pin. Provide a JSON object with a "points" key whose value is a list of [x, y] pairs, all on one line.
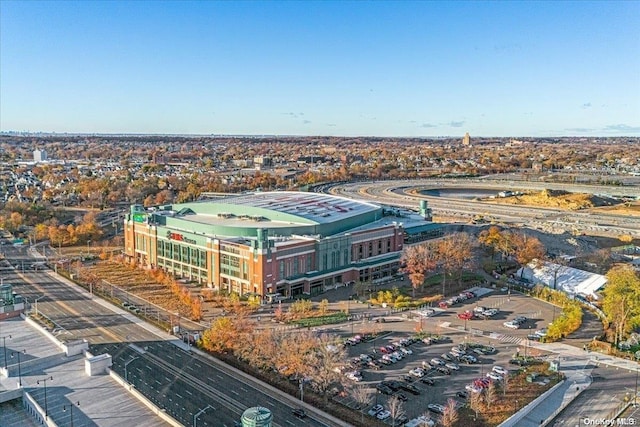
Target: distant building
{"points": [[466, 140], [11, 304], [39, 155], [261, 162]]}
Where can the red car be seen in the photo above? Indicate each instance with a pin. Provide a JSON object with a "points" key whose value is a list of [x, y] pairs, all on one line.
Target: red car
{"points": [[443, 304], [467, 315]]}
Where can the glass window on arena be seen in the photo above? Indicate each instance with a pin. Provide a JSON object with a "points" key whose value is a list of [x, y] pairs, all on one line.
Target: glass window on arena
{"points": [[345, 257], [281, 269]]}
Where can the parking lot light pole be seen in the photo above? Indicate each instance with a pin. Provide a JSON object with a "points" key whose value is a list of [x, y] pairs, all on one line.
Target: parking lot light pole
{"points": [[4, 347], [44, 382], [64, 409], [14, 354], [200, 412]]}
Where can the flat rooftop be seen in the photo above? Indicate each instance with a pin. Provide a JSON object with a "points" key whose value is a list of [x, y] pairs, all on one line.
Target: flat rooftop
{"points": [[103, 402]]}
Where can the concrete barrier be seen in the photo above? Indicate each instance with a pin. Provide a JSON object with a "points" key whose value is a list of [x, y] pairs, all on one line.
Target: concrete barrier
{"points": [[36, 411], [515, 418]]}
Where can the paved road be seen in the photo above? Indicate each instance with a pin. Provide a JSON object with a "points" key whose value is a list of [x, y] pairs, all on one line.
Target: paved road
{"points": [[77, 315], [403, 193]]}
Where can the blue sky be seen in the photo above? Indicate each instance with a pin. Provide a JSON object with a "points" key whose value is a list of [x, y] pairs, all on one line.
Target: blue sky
{"points": [[321, 68]]}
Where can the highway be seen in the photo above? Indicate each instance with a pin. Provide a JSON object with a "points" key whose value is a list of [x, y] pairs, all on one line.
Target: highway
{"points": [[553, 220], [181, 382]]}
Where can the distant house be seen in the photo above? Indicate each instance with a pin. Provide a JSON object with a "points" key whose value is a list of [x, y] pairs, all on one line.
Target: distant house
{"points": [[567, 279]]}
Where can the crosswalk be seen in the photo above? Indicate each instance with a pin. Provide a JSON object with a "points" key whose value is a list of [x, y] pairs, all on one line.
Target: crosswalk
{"points": [[505, 338]]}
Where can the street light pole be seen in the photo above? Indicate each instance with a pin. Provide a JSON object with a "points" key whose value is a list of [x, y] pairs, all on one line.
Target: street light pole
{"points": [[17, 353], [195, 416], [635, 396], [4, 347], [126, 378], [42, 296], [44, 381], [64, 409]]}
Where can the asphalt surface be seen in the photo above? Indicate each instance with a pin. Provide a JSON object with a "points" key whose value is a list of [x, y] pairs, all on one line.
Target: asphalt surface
{"points": [[76, 315]]}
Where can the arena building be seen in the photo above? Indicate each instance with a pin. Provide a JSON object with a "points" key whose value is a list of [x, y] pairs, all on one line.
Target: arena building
{"points": [[291, 243]]}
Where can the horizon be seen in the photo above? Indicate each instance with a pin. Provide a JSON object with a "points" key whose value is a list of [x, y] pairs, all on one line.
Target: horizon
{"points": [[341, 69]]}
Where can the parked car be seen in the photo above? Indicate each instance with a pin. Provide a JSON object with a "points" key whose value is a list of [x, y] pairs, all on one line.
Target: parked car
{"points": [[383, 415], [468, 358], [411, 388], [401, 396], [417, 372], [437, 408], [511, 325], [494, 376], [374, 410], [435, 362], [466, 315], [473, 388], [384, 389], [443, 370], [453, 366], [499, 370], [463, 394], [427, 380]]}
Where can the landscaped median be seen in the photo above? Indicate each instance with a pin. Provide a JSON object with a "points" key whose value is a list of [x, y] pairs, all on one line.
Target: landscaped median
{"points": [[311, 322]]}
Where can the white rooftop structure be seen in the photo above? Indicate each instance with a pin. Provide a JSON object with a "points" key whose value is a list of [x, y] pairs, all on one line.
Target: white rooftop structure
{"points": [[568, 279]]}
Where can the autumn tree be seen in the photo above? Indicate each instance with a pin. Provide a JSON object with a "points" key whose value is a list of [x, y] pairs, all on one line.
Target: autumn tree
{"points": [[225, 334], [493, 238], [417, 261], [450, 414], [526, 248], [323, 307], [621, 302]]}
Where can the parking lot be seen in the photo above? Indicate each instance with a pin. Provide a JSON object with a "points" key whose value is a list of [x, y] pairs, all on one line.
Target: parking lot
{"points": [[446, 323]]}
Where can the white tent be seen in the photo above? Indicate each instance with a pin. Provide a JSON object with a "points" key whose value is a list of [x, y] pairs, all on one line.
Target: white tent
{"points": [[567, 279]]}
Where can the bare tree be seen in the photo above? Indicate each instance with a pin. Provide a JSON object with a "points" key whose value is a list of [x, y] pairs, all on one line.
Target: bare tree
{"points": [[490, 394], [395, 409], [362, 396], [450, 414], [475, 402]]}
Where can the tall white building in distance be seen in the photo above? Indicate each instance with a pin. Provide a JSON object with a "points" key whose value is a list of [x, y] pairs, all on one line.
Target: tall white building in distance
{"points": [[39, 155]]}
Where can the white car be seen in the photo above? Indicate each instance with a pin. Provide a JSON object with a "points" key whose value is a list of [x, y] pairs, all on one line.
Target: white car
{"points": [[473, 388], [383, 415], [420, 422], [511, 325], [406, 350], [375, 410], [397, 355], [494, 376], [452, 365], [499, 370], [417, 372]]}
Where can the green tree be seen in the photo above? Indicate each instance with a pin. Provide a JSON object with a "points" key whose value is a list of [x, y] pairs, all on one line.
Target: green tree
{"points": [[621, 302]]}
